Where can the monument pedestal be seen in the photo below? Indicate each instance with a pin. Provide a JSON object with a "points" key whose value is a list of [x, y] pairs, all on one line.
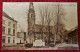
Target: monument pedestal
{"points": [[38, 43]]}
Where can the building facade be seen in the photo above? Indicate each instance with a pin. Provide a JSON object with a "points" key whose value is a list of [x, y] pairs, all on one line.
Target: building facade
{"points": [[9, 30], [21, 37], [73, 36]]}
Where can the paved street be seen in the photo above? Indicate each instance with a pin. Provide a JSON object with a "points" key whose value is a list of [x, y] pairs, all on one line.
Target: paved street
{"points": [[62, 46], [17, 47], [50, 48]]}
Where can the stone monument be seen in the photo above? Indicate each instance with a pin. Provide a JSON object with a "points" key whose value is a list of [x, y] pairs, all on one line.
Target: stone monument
{"points": [[38, 43]]}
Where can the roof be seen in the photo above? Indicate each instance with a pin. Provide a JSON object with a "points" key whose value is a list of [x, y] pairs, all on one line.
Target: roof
{"points": [[74, 29], [38, 28], [6, 15]]}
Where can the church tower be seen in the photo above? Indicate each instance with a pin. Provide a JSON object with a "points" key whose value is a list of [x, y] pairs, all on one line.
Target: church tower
{"points": [[31, 22], [31, 15]]}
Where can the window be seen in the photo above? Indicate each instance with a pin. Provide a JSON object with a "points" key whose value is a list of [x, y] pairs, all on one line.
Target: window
{"points": [[9, 23], [9, 39], [31, 15], [3, 30], [13, 32], [3, 39], [13, 25], [3, 22], [9, 30], [13, 40]]}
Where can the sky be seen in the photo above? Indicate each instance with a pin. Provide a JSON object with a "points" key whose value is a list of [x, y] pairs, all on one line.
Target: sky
{"points": [[19, 10]]}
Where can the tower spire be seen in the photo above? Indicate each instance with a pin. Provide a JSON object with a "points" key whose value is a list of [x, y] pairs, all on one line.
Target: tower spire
{"points": [[31, 5]]}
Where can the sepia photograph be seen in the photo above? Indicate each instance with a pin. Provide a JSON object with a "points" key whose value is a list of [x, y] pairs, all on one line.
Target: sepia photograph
{"points": [[39, 26]]}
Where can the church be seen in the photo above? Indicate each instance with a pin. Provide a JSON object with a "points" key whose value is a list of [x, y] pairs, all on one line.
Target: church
{"points": [[37, 31]]}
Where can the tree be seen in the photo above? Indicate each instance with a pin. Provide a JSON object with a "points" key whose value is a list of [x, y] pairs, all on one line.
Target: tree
{"points": [[59, 26], [41, 12], [47, 15], [46, 18]]}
